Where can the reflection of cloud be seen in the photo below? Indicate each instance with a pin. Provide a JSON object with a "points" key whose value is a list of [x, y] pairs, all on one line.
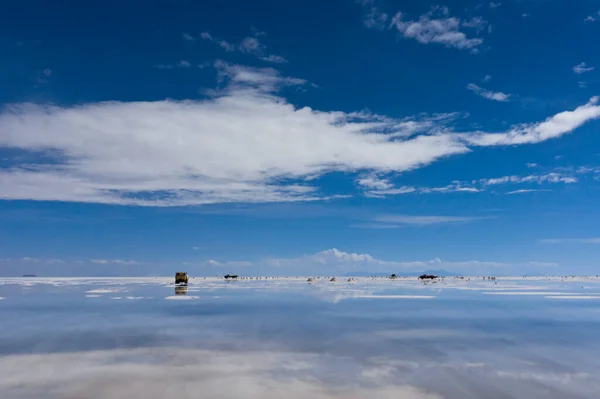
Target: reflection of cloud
{"points": [[175, 373]]}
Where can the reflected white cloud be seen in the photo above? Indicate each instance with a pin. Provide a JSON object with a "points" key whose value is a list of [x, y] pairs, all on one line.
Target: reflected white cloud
{"points": [[176, 373]]}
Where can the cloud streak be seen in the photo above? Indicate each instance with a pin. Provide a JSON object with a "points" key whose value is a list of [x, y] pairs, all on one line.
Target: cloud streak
{"points": [[582, 68], [377, 187], [488, 94], [593, 240]]}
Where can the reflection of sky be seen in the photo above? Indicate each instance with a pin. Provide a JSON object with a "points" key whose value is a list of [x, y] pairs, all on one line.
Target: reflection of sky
{"points": [[91, 338]]}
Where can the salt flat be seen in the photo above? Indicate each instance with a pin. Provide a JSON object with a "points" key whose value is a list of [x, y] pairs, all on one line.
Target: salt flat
{"points": [[532, 337]]}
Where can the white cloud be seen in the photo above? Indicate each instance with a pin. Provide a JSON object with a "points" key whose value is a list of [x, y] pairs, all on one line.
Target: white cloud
{"points": [[276, 59], [582, 68], [553, 127], [334, 254], [377, 187], [436, 27], [582, 84], [523, 191], [375, 19], [487, 78], [189, 37], [42, 77], [245, 143], [380, 193], [251, 45], [525, 15], [334, 261], [593, 17], [161, 373], [257, 32], [114, 261], [180, 64], [495, 5], [237, 146], [373, 182], [532, 165], [478, 23], [212, 262], [423, 220], [490, 95], [225, 45], [593, 240], [538, 179]]}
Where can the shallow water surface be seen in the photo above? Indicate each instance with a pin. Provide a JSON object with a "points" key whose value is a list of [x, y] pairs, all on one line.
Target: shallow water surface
{"points": [[273, 338]]}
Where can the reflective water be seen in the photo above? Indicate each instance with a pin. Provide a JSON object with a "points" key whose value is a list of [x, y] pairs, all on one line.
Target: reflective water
{"points": [[375, 338]]}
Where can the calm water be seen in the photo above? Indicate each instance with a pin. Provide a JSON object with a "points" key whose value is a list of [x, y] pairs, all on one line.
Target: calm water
{"points": [[138, 338]]}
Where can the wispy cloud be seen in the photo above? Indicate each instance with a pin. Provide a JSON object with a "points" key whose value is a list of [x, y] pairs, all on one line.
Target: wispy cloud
{"points": [[436, 26], [379, 187], [250, 45], [188, 37], [44, 75], [477, 23], [180, 64], [276, 59], [488, 94], [593, 240], [423, 220], [57, 261], [225, 45], [592, 18], [524, 191], [486, 78], [582, 68], [114, 261], [376, 19], [538, 179], [495, 5]]}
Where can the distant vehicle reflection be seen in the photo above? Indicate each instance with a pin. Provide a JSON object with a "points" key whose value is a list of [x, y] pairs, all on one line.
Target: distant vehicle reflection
{"points": [[181, 290]]}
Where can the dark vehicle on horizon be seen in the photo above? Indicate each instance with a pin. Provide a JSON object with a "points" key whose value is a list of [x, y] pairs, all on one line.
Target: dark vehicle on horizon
{"points": [[181, 278]]}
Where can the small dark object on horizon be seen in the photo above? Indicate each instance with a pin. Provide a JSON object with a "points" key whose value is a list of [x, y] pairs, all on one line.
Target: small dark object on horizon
{"points": [[29, 275], [231, 276], [393, 276], [181, 278], [427, 276]]}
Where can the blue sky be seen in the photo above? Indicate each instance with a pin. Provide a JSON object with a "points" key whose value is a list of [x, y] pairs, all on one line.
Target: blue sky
{"points": [[259, 137]]}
